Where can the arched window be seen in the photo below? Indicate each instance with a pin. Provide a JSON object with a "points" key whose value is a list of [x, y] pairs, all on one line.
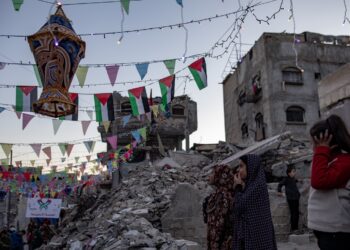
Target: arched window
{"points": [[178, 110], [292, 75], [126, 107], [260, 130], [244, 130], [295, 114]]}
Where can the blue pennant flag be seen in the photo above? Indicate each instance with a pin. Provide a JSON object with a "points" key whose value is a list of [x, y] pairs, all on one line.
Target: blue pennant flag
{"points": [[179, 2], [142, 68], [136, 135], [126, 119]]}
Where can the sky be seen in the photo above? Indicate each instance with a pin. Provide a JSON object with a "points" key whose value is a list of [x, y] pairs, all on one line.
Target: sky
{"points": [[320, 16]]}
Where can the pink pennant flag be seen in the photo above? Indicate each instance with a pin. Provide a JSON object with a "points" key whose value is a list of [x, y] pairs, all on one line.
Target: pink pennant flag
{"points": [[36, 147], [69, 148], [112, 141], [88, 157], [18, 114], [112, 72], [18, 164], [85, 125], [26, 119], [134, 144], [47, 151]]}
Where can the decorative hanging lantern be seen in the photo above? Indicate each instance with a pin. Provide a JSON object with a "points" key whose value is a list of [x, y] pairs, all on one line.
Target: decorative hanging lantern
{"points": [[57, 51]]}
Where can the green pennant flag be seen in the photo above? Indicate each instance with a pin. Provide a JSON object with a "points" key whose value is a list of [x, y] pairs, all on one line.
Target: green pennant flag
{"points": [[17, 4], [63, 147], [7, 149], [170, 65], [38, 77], [125, 4], [81, 74], [142, 132], [76, 159], [5, 161]]}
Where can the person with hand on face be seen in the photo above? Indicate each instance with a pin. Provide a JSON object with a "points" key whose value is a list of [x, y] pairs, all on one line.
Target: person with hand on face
{"points": [[253, 228], [329, 198], [217, 209]]}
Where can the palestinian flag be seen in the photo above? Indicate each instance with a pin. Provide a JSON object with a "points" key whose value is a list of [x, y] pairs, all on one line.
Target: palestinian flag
{"points": [[167, 88], [25, 96], [199, 72], [104, 107], [74, 117], [138, 101]]}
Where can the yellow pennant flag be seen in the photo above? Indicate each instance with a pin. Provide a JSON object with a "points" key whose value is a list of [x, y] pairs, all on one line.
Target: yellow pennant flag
{"points": [[106, 125], [7, 149]]}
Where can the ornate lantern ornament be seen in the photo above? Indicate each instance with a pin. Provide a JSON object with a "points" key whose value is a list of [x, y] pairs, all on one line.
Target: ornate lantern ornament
{"points": [[57, 51]]}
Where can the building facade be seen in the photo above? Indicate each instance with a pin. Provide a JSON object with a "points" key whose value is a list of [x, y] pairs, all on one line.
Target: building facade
{"points": [[271, 92], [172, 130], [334, 94]]}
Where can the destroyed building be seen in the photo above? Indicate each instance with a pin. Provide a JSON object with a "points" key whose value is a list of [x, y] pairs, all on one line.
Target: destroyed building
{"points": [[272, 91], [172, 128], [334, 94]]}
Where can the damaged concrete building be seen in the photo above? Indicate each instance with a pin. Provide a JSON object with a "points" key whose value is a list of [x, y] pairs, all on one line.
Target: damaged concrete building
{"points": [[334, 94], [172, 130], [272, 91]]}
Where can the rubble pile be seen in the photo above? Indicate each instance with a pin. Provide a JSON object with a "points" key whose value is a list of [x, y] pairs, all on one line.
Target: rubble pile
{"points": [[127, 217]]}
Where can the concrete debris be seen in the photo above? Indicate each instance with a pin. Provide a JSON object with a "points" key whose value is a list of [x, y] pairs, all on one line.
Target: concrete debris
{"points": [[158, 206]]}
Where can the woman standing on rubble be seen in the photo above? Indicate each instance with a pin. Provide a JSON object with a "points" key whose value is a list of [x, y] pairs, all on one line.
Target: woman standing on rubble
{"points": [[217, 209], [329, 198], [253, 228]]}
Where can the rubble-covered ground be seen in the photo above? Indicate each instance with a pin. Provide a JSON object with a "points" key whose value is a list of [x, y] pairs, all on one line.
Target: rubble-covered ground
{"points": [[127, 217], [130, 216]]}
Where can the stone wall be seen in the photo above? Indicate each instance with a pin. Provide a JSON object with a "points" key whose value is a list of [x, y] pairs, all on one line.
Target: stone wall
{"points": [[184, 218]]}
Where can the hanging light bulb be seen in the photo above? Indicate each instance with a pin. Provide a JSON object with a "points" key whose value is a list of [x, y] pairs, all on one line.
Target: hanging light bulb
{"points": [[120, 40], [56, 41]]}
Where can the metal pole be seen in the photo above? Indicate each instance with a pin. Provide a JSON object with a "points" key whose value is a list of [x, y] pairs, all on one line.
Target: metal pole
{"points": [[8, 207]]}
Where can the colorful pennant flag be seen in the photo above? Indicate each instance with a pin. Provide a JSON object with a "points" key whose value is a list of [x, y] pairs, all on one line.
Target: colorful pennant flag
{"points": [[17, 4], [81, 74], [18, 163], [112, 141], [63, 159], [25, 96], [47, 151], [90, 113], [136, 135], [69, 148], [38, 77], [142, 132], [56, 125], [26, 119], [104, 107], [125, 4], [89, 145], [170, 65], [112, 72], [179, 2], [7, 149], [138, 100], [155, 110], [199, 71], [32, 162], [63, 147], [126, 119], [36, 147], [106, 125], [167, 88], [85, 126], [88, 157], [76, 159], [2, 65], [48, 161], [142, 68]]}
